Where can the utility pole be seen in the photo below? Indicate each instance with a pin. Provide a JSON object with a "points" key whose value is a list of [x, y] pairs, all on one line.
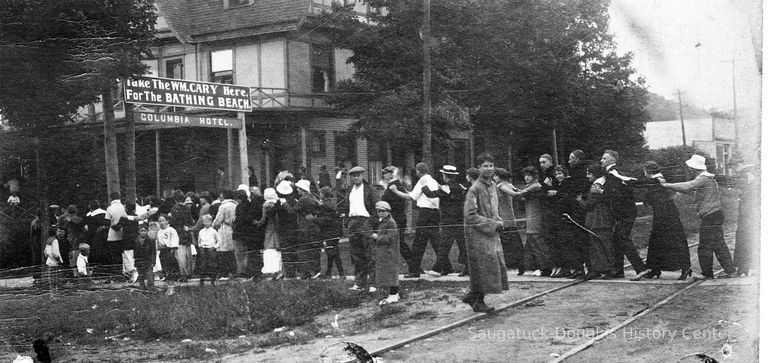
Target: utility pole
{"points": [[554, 146], [426, 144], [733, 77], [680, 103]]}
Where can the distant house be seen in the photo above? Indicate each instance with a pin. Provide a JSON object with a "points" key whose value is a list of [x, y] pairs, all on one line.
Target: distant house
{"points": [[714, 136]]}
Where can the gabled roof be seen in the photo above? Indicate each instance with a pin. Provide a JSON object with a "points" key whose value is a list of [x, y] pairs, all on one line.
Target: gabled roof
{"points": [[208, 20]]}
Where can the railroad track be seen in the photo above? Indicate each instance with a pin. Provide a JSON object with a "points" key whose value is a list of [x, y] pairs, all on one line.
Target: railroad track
{"points": [[570, 353], [646, 311]]}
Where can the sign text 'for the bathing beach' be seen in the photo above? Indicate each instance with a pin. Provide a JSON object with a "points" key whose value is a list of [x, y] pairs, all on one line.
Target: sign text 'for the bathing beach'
{"points": [[183, 93]]}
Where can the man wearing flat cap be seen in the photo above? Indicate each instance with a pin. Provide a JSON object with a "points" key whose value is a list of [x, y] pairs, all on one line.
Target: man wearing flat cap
{"points": [[710, 211], [361, 213]]}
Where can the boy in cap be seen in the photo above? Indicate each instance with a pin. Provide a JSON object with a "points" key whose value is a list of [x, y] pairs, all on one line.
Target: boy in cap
{"points": [[145, 254], [83, 272], [387, 253]]}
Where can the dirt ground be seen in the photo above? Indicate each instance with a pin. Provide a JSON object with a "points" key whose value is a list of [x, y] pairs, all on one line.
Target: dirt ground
{"points": [[533, 332]]}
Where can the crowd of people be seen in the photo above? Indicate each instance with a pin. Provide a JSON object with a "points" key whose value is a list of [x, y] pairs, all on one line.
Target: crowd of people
{"points": [[578, 221]]}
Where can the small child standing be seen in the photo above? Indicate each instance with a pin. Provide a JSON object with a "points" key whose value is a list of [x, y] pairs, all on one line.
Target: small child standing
{"points": [[331, 230], [145, 255], [208, 241], [83, 273], [387, 254], [167, 243], [53, 258]]}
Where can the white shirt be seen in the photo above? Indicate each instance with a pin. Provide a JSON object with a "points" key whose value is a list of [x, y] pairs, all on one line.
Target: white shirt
{"points": [[615, 173], [115, 211], [95, 212], [357, 201], [142, 209], [208, 238], [82, 265], [422, 201], [167, 238], [52, 253], [599, 181]]}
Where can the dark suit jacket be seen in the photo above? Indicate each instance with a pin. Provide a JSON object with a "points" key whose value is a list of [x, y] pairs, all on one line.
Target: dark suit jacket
{"points": [[620, 195], [370, 197]]}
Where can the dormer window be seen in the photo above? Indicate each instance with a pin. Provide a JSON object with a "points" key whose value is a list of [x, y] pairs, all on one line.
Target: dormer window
{"points": [[228, 4], [221, 66]]}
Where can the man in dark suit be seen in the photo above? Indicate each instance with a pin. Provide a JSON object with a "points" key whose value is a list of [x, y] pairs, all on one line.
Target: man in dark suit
{"points": [[361, 213], [623, 204]]}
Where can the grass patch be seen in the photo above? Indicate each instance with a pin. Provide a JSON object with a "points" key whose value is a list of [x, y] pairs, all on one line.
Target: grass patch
{"points": [[88, 317]]}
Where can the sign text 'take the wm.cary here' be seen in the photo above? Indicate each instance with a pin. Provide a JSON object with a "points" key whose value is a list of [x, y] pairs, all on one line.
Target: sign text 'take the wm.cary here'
{"points": [[183, 93]]}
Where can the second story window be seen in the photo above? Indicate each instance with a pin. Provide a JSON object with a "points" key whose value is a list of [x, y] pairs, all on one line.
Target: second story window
{"points": [[322, 69], [221, 66], [174, 68]]}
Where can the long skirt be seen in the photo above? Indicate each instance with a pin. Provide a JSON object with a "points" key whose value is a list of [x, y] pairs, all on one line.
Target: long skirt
{"points": [[241, 256], [668, 246], [601, 251], [512, 245], [569, 255], [536, 252], [226, 263], [184, 259]]}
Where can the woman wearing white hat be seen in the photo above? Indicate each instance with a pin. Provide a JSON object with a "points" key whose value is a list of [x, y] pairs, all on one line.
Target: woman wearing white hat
{"points": [[287, 226], [307, 208], [273, 260], [710, 210]]}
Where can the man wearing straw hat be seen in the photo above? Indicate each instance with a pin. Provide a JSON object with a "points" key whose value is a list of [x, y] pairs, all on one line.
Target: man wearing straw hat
{"points": [[710, 211], [451, 196]]}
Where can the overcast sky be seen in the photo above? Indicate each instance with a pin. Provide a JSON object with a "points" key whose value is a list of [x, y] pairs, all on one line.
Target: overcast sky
{"points": [[689, 44]]}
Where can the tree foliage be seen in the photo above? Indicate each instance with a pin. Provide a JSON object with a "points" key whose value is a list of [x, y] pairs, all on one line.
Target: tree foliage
{"points": [[60, 55], [522, 67]]}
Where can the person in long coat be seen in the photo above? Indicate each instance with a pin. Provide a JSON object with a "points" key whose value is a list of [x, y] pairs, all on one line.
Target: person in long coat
{"points": [[748, 227], [482, 223], [288, 227], [667, 245], [308, 234], [225, 217], [387, 253], [600, 221]]}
